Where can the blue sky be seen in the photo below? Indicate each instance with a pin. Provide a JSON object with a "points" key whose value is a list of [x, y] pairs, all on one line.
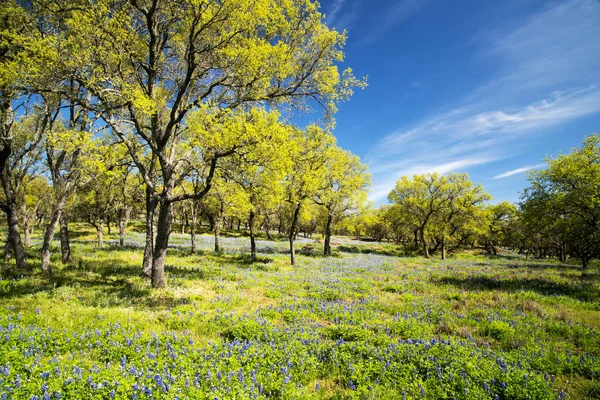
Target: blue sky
{"points": [[484, 87]]}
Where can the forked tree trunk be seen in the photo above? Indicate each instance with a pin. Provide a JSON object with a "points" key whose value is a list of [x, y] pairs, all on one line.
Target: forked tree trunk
{"points": [[65, 246], [292, 234], [327, 244], [252, 241]]}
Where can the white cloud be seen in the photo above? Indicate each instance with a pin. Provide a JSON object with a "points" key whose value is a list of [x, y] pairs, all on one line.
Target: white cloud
{"points": [[549, 74], [518, 171], [382, 189]]}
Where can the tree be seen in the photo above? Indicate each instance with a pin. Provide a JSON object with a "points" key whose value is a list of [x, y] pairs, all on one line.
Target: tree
{"points": [[24, 52], [437, 205], [308, 154], [225, 200], [569, 189], [69, 150], [464, 202], [260, 171], [35, 193], [500, 219], [346, 181], [18, 168], [150, 64], [421, 197]]}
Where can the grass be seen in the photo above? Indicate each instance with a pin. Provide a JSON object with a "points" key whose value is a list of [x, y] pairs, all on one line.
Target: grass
{"points": [[367, 323]]}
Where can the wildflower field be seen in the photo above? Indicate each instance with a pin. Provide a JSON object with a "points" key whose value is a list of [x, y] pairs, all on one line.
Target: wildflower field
{"points": [[363, 324]]}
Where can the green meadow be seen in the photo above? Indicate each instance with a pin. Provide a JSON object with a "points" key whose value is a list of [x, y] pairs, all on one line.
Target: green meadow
{"points": [[370, 322]]}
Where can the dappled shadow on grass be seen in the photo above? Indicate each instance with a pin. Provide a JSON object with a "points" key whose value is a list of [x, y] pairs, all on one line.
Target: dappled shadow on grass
{"points": [[102, 287], [580, 291]]}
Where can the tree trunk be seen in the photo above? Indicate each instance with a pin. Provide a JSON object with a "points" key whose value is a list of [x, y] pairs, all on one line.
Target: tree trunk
{"points": [[49, 235], [163, 229], [149, 247], [99, 228], [7, 249], [239, 224], [14, 234], [27, 237], [193, 230], [268, 233], [327, 244], [443, 246], [123, 221], [217, 232], [65, 246], [292, 234], [252, 241], [108, 223], [584, 262], [424, 243]]}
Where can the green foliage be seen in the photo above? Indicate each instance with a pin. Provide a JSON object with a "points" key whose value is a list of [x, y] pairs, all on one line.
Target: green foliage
{"points": [[563, 202]]}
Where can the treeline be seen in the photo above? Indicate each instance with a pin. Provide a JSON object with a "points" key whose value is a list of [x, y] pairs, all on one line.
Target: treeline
{"points": [[126, 104], [558, 215], [114, 110]]}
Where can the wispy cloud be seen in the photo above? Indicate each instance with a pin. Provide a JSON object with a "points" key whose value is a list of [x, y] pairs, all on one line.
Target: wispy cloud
{"points": [[549, 74], [335, 11], [518, 171], [342, 14], [382, 188], [401, 11]]}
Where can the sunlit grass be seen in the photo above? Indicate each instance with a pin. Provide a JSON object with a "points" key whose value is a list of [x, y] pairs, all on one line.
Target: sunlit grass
{"points": [[365, 323]]}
